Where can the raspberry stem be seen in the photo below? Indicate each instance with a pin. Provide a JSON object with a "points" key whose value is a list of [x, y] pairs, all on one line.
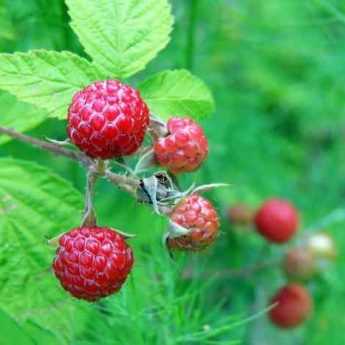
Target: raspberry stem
{"points": [[165, 195], [89, 218], [48, 146], [126, 183], [157, 128]]}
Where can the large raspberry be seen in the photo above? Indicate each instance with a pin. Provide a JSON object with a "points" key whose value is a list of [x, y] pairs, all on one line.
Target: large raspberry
{"points": [[92, 262], [277, 220], [107, 119], [293, 306], [184, 148], [198, 215]]}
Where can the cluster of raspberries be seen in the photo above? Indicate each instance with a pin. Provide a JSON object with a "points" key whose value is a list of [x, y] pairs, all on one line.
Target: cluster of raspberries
{"points": [[108, 120], [277, 221]]}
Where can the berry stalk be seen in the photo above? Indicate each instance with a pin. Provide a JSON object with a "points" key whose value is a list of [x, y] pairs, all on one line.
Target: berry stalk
{"points": [[126, 183], [89, 218], [47, 146]]}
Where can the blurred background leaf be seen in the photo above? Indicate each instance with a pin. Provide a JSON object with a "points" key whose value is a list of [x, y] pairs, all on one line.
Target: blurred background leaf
{"points": [[7, 29]]}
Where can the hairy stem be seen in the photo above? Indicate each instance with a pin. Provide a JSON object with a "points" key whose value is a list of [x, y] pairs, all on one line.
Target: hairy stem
{"points": [[89, 218], [126, 183], [45, 145]]}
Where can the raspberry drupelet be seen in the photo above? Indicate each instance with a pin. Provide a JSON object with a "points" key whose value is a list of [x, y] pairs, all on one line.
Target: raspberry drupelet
{"points": [[184, 148], [92, 262], [107, 119], [200, 217]]}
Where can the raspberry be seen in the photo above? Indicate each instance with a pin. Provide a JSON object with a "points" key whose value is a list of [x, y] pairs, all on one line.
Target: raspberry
{"points": [[277, 220], [294, 305], [92, 262], [184, 148], [107, 119], [198, 215], [299, 264], [240, 214]]}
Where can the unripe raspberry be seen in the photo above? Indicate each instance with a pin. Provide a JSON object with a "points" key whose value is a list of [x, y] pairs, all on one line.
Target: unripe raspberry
{"points": [[240, 214], [92, 262], [199, 216], [184, 148], [107, 119], [322, 246], [299, 264], [277, 220], [293, 306]]}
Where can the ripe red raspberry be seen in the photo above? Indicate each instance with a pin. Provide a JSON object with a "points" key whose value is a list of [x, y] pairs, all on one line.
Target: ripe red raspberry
{"points": [[184, 148], [107, 119], [92, 262], [198, 215], [299, 264], [240, 214], [294, 305], [277, 220]]}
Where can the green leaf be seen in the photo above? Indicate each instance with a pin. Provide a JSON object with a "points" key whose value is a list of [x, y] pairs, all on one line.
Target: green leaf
{"points": [[11, 332], [46, 79], [40, 334], [177, 93], [6, 27], [121, 36], [34, 205], [18, 115]]}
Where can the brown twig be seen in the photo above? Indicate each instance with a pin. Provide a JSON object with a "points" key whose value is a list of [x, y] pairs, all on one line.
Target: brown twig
{"points": [[89, 218], [128, 184], [45, 145], [157, 128]]}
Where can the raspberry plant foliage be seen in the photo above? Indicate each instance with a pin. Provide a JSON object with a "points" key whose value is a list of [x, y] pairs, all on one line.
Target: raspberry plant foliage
{"points": [[120, 38], [35, 205]]}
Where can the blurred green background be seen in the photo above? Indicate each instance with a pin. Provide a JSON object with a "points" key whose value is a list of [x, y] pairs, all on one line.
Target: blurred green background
{"points": [[277, 71]]}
